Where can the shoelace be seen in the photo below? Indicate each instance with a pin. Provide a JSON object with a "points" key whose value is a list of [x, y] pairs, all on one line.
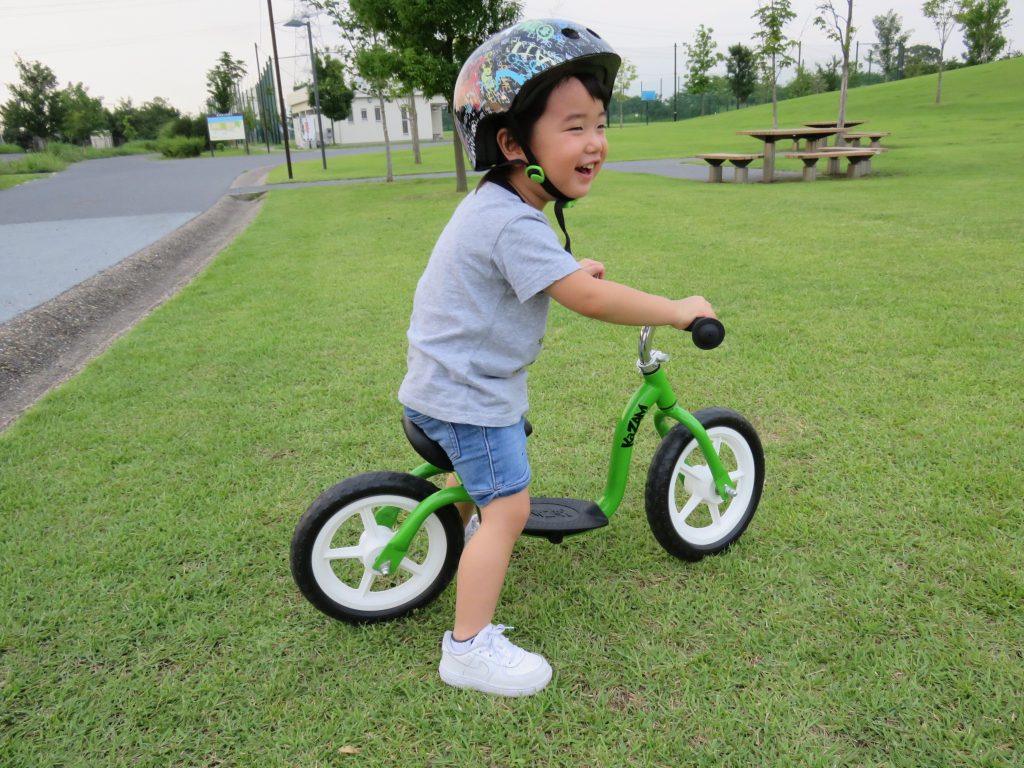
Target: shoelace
{"points": [[500, 647]]}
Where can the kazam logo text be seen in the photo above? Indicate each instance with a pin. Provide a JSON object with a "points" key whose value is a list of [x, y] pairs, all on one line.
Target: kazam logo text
{"points": [[634, 424]]}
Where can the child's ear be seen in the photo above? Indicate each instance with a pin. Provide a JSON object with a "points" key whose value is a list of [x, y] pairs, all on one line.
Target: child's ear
{"points": [[509, 146]]}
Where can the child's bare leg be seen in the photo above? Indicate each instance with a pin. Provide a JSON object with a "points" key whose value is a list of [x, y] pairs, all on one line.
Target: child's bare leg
{"points": [[485, 561], [466, 508]]}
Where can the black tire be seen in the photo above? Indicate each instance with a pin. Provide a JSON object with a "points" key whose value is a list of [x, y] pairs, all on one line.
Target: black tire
{"points": [[684, 511], [337, 537]]}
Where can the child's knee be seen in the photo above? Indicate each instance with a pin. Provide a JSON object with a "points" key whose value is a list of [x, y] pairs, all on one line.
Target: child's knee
{"points": [[510, 512]]}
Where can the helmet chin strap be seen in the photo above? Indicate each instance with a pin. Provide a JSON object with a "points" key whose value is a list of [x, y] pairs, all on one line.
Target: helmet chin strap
{"points": [[535, 173]]}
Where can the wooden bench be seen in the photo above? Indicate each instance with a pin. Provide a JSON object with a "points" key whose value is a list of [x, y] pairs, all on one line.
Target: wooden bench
{"points": [[859, 160], [875, 138], [739, 161]]}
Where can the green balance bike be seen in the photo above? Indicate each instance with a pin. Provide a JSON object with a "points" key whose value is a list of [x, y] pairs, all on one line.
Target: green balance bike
{"points": [[380, 545]]}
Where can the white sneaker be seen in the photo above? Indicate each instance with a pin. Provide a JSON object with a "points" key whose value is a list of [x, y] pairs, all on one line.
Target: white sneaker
{"points": [[472, 527], [493, 665]]}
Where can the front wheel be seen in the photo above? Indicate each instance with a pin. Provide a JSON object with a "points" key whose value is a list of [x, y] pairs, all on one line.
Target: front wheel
{"points": [[340, 536], [685, 513]]}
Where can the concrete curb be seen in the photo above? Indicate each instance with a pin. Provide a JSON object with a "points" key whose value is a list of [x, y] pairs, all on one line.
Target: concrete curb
{"points": [[45, 346]]}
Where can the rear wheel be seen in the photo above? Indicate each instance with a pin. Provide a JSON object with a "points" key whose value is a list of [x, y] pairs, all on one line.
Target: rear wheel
{"points": [[685, 513], [339, 537]]}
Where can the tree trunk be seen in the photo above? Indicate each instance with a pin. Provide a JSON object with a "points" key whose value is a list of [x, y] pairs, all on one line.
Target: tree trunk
{"points": [[844, 85], [414, 128], [841, 121], [775, 100], [938, 88], [387, 138]]}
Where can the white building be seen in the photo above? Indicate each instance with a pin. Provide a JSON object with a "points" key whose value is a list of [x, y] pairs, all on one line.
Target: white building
{"points": [[366, 123]]}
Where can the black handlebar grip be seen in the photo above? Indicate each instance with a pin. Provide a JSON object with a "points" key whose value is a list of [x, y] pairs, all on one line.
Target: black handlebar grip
{"points": [[707, 332]]}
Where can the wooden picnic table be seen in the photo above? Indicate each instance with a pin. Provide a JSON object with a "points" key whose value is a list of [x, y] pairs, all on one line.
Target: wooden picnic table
{"points": [[771, 135], [840, 137], [738, 160], [858, 159], [853, 138], [835, 124]]}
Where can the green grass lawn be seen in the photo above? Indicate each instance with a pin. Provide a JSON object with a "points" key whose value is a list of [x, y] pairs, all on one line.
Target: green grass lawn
{"points": [[871, 614], [14, 179], [435, 159]]}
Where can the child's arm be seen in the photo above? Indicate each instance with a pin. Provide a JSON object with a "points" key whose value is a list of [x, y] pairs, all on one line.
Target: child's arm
{"points": [[616, 303]]}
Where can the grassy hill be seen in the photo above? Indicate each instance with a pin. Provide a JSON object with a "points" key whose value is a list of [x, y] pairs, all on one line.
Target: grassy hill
{"points": [[981, 107], [871, 614]]}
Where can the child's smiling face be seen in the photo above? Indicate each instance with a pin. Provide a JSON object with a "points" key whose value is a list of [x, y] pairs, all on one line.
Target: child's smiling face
{"points": [[569, 140]]}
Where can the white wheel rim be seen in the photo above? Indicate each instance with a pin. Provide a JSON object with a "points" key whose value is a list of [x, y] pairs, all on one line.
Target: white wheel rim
{"points": [[698, 513], [363, 588]]}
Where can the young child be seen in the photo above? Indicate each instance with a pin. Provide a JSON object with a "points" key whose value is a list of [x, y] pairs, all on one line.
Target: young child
{"points": [[530, 106]]}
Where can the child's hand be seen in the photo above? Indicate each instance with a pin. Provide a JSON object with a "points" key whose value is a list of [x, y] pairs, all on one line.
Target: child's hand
{"points": [[592, 268], [690, 309]]}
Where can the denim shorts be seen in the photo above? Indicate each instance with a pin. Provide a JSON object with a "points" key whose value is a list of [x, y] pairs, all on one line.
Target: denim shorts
{"points": [[491, 461]]}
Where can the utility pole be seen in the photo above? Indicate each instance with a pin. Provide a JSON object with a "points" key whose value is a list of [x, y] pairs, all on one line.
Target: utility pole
{"points": [[675, 80], [280, 90]]}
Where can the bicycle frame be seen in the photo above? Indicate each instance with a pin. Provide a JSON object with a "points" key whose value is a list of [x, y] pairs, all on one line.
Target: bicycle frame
{"points": [[654, 394]]}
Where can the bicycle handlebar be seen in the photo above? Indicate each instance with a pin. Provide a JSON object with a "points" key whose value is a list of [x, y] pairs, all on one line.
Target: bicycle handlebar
{"points": [[707, 333]]}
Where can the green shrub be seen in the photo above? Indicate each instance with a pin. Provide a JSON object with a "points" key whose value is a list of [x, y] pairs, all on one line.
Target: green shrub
{"points": [[185, 125], [140, 146], [35, 162], [69, 153], [181, 146], [10, 149]]}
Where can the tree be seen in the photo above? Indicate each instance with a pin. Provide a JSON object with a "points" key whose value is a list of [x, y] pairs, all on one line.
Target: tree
{"points": [[434, 37], [376, 64], [802, 84], [943, 15], [220, 83], [891, 42], [82, 114], [921, 60], [154, 115], [625, 79], [983, 22], [839, 28], [773, 46], [33, 114], [701, 57], [741, 72], [828, 76], [335, 94]]}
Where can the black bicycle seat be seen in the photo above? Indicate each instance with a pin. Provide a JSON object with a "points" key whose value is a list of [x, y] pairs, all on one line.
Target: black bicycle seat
{"points": [[432, 451]]}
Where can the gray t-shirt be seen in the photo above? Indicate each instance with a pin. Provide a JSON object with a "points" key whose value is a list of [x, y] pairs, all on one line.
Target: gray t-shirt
{"points": [[480, 311]]}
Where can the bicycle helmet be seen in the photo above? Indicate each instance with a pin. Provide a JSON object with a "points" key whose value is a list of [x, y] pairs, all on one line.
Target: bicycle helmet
{"points": [[501, 76]]}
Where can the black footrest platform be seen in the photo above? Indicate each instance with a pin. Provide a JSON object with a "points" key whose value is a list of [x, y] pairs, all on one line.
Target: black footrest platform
{"points": [[556, 518]]}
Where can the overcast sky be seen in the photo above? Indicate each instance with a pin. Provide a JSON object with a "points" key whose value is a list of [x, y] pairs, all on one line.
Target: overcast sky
{"points": [[140, 49]]}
